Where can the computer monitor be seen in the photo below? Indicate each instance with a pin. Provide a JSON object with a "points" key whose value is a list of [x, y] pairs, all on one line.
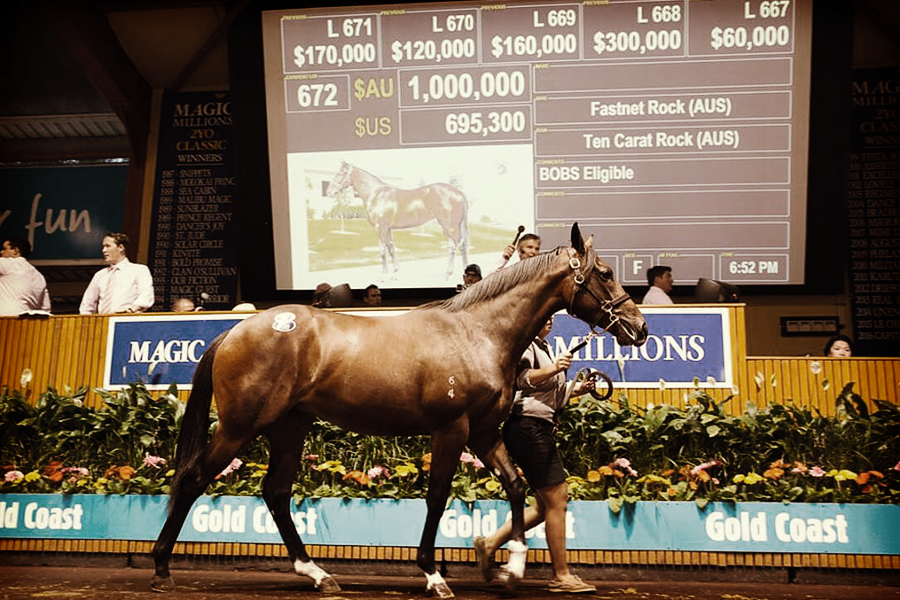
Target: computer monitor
{"points": [[710, 291]]}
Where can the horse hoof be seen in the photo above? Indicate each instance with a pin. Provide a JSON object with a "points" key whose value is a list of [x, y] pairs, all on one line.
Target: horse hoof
{"points": [[162, 584], [328, 586], [507, 581], [441, 590]]}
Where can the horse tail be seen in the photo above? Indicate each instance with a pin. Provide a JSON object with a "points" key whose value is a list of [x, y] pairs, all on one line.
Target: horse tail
{"points": [[192, 438]]}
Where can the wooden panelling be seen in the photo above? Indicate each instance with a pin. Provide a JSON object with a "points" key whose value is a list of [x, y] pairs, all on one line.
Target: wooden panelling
{"points": [[68, 351]]}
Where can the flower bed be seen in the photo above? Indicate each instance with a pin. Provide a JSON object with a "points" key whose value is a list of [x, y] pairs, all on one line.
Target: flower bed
{"points": [[613, 451]]}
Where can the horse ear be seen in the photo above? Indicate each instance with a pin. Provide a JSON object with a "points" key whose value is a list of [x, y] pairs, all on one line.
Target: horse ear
{"points": [[577, 240]]}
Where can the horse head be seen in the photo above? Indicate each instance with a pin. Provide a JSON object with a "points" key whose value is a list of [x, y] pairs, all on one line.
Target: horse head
{"points": [[597, 298], [341, 180]]}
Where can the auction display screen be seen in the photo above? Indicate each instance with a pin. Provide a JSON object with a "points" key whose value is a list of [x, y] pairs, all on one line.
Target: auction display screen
{"points": [[407, 141]]}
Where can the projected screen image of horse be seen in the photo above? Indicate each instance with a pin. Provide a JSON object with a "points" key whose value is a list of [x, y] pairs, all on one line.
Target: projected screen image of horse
{"points": [[388, 207], [410, 218]]}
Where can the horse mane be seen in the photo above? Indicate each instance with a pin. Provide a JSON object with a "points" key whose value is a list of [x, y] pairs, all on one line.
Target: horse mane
{"points": [[496, 283], [364, 173]]}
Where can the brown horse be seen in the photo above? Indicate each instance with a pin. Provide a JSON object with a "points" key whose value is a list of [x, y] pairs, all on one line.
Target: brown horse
{"points": [[389, 208], [446, 369]]}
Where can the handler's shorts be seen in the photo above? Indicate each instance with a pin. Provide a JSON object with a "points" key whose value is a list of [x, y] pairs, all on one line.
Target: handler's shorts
{"points": [[529, 441]]}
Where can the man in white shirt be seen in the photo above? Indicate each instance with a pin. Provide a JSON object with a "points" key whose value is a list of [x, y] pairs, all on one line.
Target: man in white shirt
{"points": [[22, 287], [661, 283], [528, 245], [122, 287]]}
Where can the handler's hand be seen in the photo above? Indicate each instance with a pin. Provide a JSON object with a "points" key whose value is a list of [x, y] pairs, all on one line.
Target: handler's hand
{"points": [[584, 386], [563, 361]]}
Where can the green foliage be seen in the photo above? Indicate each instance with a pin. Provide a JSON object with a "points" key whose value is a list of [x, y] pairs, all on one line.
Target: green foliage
{"points": [[613, 451]]}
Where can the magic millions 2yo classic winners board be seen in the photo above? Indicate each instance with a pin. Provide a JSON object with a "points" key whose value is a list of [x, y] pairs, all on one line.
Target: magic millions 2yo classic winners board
{"points": [[675, 131]]}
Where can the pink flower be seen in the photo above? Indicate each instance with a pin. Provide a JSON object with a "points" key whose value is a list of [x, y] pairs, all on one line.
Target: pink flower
{"points": [[378, 471], [625, 464], [234, 466], [14, 475], [696, 470], [817, 472], [76, 471], [468, 458], [897, 467], [154, 461]]}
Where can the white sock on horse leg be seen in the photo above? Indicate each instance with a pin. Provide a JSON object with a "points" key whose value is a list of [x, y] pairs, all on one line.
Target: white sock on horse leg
{"points": [[311, 570], [516, 564], [434, 580]]}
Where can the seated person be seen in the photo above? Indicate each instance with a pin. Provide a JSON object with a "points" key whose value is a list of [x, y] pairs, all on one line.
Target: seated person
{"points": [[372, 296], [183, 304], [839, 346], [471, 275], [661, 283]]}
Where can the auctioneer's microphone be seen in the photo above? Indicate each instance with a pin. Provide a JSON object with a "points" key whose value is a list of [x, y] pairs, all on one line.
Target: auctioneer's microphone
{"points": [[518, 233]]}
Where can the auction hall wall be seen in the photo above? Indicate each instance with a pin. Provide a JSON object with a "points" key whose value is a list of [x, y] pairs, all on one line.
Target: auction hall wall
{"points": [[68, 352], [71, 351]]}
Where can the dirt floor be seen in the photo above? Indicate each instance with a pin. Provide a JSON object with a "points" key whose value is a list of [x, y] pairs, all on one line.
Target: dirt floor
{"points": [[126, 583]]}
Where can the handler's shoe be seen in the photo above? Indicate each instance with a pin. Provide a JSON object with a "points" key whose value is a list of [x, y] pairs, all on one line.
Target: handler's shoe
{"points": [[485, 562], [571, 585]]}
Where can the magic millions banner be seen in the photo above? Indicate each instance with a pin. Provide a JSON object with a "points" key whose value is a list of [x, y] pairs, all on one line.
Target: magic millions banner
{"points": [[679, 526], [686, 345]]}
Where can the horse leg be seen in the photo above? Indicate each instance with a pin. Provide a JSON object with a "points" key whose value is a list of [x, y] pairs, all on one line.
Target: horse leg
{"points": [[463, 244], [387, 247], [384, 253], [457, 239], [392, 251], [488, 445], [446, 446], [286, 441], [186, 488], [452, 256]]}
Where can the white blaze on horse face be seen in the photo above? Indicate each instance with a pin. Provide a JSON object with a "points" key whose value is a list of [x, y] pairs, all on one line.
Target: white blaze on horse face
{"points": [[311, 570]]}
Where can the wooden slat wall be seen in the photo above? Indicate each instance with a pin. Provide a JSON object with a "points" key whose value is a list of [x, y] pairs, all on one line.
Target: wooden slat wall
{"points": [[64, 352], [793, 379], [68, 351], [619, 558]]}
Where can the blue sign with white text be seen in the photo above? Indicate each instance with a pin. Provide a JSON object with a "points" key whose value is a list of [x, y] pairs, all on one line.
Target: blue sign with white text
{"points": [[680, 526], [686, 345], [160, 350], [64, 211]]}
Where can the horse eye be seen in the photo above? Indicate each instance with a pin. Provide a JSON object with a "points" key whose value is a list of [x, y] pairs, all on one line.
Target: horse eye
{"points": [[606, 274]]}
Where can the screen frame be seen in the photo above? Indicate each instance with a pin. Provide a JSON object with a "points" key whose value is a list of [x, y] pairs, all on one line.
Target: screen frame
{"points": [[829, 112]]}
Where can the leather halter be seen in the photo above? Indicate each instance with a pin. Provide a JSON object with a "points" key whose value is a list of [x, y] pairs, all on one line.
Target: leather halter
{"points": [[607, 306]]}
